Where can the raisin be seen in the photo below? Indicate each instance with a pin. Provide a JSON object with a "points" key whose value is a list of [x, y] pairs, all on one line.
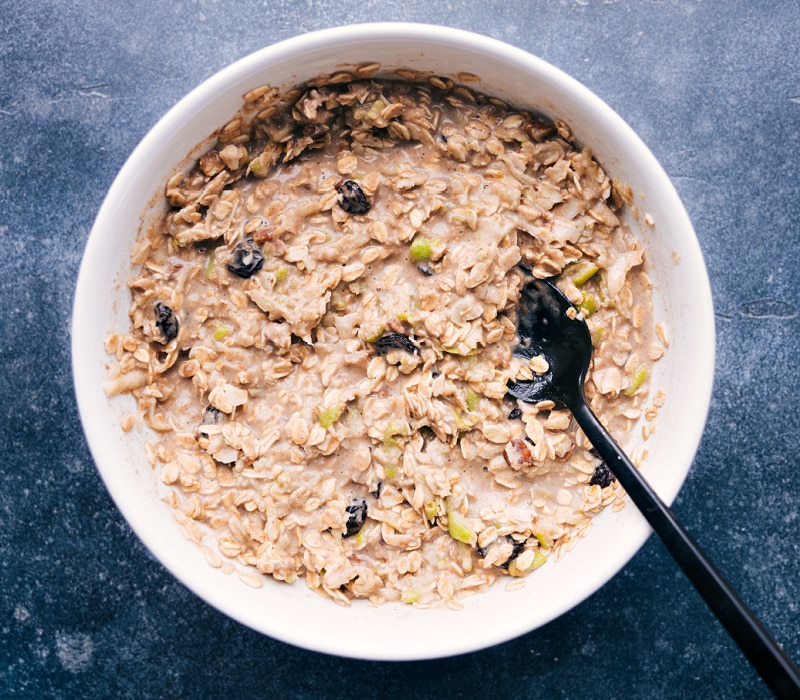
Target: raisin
{"points": [[602, 476], [515, 413], [515, 552], [166, 321], [352, 198], [395, 341], [357, 515], [246, 259]]}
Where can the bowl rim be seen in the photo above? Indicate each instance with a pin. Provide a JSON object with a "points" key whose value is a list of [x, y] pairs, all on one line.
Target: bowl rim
{"points": [[203, 95]]}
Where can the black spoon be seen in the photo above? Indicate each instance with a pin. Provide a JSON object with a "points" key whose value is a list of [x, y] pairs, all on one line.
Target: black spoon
{"points": [[549, 325]]}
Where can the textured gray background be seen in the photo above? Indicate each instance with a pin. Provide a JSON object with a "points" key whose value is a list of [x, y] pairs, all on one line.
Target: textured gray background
{"points": [[714, 90]]}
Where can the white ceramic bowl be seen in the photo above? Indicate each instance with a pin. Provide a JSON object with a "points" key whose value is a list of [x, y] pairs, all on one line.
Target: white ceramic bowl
{"points": [[294, 614]]}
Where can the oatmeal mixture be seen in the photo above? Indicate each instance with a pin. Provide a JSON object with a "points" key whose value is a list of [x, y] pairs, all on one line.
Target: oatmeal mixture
{"points": [[322, 329]]}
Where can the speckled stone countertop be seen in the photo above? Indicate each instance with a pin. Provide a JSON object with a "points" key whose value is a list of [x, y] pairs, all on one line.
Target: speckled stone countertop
{"points": [[712, 87]]}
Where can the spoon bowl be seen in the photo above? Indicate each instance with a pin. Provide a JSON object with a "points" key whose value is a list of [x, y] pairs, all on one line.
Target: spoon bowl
{"points": [[549, 325]]}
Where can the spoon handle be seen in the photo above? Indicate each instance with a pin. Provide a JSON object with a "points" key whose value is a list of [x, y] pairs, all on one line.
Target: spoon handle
{"points": [[761, 649]]}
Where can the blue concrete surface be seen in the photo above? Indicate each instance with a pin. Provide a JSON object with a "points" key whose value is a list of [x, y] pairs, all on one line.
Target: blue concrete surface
{"points": [[85, 612]]}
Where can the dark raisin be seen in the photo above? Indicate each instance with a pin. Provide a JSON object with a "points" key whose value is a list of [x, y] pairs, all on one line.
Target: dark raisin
{"points": [[515, 552], [166, 321], [352, 198], [480, 551], [357, 515], [246, 259], [515, 413], [395, 341], [602, 476]]}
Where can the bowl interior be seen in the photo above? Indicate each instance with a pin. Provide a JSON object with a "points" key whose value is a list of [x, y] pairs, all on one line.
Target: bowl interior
{"points": [[397, 632]]}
